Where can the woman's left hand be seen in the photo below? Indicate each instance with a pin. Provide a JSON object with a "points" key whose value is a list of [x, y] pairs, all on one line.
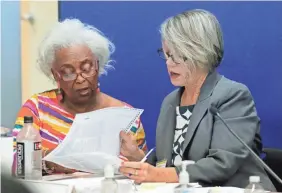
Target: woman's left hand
{"points": [[138, 171], [129, 147]]}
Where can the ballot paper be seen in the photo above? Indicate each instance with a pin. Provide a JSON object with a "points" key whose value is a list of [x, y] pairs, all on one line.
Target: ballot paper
{"points": [[93, 140]]}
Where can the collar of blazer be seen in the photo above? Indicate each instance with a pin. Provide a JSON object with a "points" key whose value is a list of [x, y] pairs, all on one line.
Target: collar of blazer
{"points": [[167, 121]]}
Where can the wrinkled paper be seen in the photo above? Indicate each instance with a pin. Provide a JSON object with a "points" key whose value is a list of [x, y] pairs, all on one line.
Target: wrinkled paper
{"points": [[93, 140]]}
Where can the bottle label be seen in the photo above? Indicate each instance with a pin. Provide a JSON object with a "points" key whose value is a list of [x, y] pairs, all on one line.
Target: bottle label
{"points": [[28, 153], [20, 160]]}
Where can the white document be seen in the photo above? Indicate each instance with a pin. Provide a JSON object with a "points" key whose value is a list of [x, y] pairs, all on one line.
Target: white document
{"points": [[93, 140]]}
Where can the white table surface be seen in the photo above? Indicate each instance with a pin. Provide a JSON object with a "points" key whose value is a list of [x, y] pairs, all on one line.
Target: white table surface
{"points": [[6, 150], [93, 185], [88, 184]]}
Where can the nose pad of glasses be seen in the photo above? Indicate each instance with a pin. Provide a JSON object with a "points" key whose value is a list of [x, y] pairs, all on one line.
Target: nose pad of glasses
{"points": [[80, 78], [169, 62]]}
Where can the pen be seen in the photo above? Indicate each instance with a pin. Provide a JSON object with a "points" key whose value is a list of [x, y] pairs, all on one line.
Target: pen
{"points": [[142, 161], [147, 155]]}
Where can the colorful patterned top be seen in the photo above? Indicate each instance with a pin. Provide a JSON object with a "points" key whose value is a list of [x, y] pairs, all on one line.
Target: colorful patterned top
{"points": [[54, 122]]}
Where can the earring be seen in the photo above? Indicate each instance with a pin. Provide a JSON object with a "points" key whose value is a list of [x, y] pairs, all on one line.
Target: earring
{"points": [[98, 87], [59, 93]]}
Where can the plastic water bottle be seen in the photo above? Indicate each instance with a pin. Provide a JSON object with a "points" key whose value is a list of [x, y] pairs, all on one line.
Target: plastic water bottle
{"points": [[109, 184], [254, 185], [29, 153], [184, 180]]}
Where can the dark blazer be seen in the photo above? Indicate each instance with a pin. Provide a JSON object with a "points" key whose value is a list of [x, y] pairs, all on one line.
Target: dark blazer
{"points": [[220, 158]]}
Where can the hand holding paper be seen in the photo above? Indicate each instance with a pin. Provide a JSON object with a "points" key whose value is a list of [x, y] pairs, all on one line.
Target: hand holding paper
{"points": [[93, 140], [129, 147]]}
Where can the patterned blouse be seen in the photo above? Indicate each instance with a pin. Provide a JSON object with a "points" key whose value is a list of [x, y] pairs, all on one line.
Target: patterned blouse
{"points": [[54, 122], [183, 116]]}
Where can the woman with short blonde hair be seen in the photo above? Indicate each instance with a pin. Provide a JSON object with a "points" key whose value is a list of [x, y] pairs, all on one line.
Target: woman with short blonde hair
{"points": [[192, 47]]}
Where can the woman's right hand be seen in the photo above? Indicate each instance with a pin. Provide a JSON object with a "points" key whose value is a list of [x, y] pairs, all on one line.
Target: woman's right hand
{"points": [[55, 167], [59, 169]]}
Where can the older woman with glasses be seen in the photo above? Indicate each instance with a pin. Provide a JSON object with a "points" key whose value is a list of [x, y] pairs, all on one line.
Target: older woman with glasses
{"points": [[74, 55], [192, 47]]}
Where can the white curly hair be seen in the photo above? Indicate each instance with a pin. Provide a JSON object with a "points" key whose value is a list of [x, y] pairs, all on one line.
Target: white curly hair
{"points": [[71, 32]]}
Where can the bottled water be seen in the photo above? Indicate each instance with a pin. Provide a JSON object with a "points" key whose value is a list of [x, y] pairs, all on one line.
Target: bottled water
{"points": [[254, 185], [29, 153]]}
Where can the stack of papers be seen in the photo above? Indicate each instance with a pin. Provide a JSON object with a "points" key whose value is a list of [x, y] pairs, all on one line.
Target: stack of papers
{"points": [[76, 175], [93, 140]]}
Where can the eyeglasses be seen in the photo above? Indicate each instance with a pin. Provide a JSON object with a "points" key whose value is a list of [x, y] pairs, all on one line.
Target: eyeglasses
{"points": [[86, 73], [167, 55]]}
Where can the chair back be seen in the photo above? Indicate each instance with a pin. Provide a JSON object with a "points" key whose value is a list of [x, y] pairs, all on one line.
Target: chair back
{"points": [[273, 159]]}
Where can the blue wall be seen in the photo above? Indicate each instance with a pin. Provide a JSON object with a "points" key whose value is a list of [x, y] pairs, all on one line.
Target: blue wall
{"points": [[253, 53], [10, 62]]}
